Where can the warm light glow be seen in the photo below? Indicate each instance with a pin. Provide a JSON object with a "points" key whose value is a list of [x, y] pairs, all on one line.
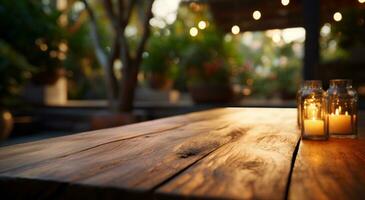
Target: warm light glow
{"points": [[312, 111], [256, 15], [193, 31], [325, 30], [7, 115], [337, 16], [235, 29], [337, 111], [340, 124], [285, 2], [164, 12], [276, 37], [63, 47], [202, 25], [361, 1], [43, 47]]}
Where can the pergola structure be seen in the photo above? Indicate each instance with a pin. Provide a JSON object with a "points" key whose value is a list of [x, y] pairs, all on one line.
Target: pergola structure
{"points": [[310, 14]]}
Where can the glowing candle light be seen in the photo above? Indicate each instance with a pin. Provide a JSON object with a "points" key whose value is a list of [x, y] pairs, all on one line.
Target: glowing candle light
{"points": [[313, 126], [339, 123]]}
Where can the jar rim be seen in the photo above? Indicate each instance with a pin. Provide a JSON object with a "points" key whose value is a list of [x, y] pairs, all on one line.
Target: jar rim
{"points": [[313, 83], [346, 82]]}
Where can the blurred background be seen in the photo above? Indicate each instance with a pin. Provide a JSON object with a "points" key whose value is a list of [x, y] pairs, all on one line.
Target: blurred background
{"points": [[68, 66]]}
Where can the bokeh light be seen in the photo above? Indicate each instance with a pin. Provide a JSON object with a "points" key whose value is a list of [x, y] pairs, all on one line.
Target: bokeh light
{"points": [[202, 25], [193, 31], [337, 16], [285, 2], [256, 15], [235, 29]]}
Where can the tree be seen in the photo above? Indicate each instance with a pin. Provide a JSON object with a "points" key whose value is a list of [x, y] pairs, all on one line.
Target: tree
{"points": [[121, 93]]}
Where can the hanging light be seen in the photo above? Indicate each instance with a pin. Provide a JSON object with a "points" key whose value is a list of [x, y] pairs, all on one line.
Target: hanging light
{"points": [[193, 31], [337, 16], [361, 1], [286, 2], [235, 29], [256, 15], [202, 25]]}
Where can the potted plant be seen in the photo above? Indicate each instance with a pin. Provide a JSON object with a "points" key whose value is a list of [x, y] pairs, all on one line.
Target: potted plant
{"points": [[39, 38], [14, 71], [207, 68], [160, 63]]}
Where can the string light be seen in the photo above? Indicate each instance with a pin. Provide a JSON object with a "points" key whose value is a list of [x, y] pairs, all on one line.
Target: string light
{"points": [[193, 31], [235, 29], [256, 15], [202, 25], [286, 2], [337, 16], [361, 1]]}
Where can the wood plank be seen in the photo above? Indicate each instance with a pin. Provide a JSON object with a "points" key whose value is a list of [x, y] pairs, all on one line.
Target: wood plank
{"points": [[255, 166], [133, 164], [29, 153], [134, 167], [331, 170]]}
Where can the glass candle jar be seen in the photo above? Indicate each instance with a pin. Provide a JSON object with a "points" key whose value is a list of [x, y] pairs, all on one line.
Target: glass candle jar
{"points": [[299, 96], [342, 109], [313, 111]]}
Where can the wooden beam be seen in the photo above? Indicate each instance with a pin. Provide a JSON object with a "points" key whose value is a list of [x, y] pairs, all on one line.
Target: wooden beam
{"points": [[311, 10]]}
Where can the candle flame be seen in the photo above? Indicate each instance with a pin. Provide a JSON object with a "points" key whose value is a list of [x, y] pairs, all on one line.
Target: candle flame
{"points": [[338, 110]]}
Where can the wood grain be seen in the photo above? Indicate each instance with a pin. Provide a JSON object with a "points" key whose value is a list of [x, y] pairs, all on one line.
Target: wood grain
{"points": [[25, 154], [329, 170], [256, 166], [137, 163], [232, 153]]}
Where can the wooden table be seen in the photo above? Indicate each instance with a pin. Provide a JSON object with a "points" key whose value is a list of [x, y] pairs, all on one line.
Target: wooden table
{"points": [[230, 153]]}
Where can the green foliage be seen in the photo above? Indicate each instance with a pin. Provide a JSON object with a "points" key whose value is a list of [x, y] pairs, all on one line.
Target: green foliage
{"points": [[208, 58], [86, 80], [31, 28], [350, 30], [271, 68], [163, 55], [14, 71]]}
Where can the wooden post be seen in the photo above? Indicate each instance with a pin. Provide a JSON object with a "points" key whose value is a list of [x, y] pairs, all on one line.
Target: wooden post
{"points": [[311, 9]]}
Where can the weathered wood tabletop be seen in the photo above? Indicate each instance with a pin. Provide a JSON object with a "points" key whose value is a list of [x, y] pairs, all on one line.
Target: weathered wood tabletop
{"points": [[228, 153]]}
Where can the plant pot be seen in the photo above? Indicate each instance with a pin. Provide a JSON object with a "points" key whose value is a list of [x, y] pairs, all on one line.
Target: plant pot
{"points": [[211, 93], [49, 77], [160, 81], [6, 123], [47, 94]]}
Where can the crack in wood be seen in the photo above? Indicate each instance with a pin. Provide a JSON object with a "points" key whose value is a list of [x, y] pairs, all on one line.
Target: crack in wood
{"points": [[294, 157], [235, 134]]}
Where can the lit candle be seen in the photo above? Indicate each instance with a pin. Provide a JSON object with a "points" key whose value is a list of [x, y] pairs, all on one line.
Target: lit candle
{"points": [[340, 124], [314, 127], [312, 111]]}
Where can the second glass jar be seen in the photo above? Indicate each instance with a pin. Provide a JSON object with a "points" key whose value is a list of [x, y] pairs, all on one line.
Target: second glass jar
{"points": [[342, 109]]}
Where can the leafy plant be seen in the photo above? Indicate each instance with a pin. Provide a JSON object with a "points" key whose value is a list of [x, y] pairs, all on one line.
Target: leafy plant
{"points": [[206, 60], [350, 30], [163, 56], [31, 29], [14, 71]]}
